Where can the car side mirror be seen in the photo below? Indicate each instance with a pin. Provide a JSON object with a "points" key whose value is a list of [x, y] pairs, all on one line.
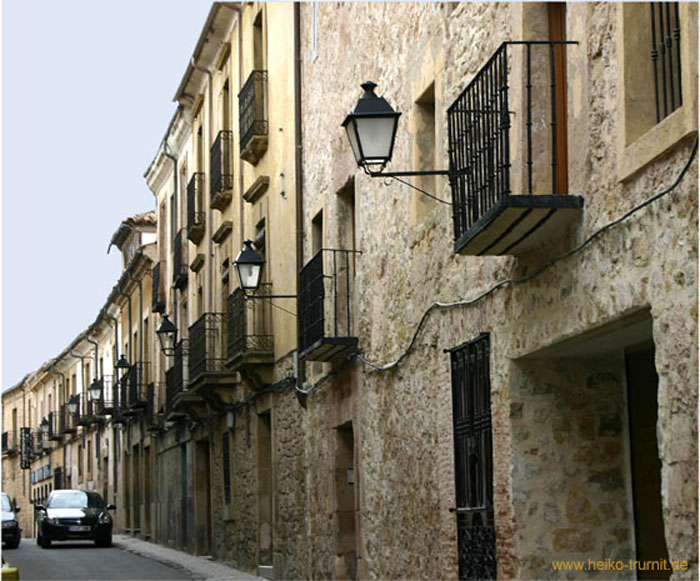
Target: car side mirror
{"points": [[17, 509], [111, 507], [39, 507]]}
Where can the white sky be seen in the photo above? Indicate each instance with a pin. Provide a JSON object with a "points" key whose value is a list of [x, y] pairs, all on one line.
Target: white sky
{"points": [[87, 93]]}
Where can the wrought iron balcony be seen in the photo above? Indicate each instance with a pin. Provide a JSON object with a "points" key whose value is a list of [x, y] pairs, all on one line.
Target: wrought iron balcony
{"points": [[10, 443], [324, 305], [221, 170], [252, 105], [250, 338], [67, 422], [175, 378], [158, 278], [137, 382], [506, 199], [207, 347], [195, 208], [154, 419], [105, 405], [43, 443], [180, 257], [83, 418], [55, 426]]}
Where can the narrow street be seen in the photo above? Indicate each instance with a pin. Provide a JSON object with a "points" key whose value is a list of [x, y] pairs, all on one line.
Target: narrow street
{"points": [[82, 560]]}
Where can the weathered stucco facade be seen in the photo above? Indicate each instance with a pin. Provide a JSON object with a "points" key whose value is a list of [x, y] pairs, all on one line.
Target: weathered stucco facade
{"points": [[313, 434]]}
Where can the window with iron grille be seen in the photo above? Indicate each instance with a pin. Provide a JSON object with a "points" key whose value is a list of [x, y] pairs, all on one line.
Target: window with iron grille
{"points": [[666, 57], [225, 452], [471, 404]]}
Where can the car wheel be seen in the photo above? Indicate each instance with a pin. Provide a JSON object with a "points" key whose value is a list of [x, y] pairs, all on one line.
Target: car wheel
{"points": [[104, 541], [13, 544], [44, 542]]}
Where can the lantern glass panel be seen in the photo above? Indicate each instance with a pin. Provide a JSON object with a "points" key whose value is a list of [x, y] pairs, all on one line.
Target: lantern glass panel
{"points": [[249, 275], [352, 137], [376, 137]]}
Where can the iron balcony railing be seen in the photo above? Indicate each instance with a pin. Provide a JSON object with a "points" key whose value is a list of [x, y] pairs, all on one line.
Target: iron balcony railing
{"points": [[175, 376], [158, 303], [138, 377], [121, 399], [221, 170], [325, 303], [55, 426], [180, 252], [82, 418], [252, 105], [195, 208], [207, 345], [43, 442], [68, 425], [249, 324], [479, 129], [10, 443], [105, 405]]}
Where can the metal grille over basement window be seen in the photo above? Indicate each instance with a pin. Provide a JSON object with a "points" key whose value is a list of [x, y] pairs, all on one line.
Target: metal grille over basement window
{"points": [[666, 56], [471, 404]]}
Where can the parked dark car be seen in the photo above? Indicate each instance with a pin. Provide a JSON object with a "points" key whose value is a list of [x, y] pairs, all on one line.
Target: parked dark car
{"points": [[11, 533], [74, 515]]}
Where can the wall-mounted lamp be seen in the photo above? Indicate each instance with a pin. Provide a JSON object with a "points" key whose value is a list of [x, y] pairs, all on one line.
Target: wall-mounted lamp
{"points": [[167, 335], [371, 129], [44, 427], [122, 365], [249, 264], [95, 391], [73, 405]]}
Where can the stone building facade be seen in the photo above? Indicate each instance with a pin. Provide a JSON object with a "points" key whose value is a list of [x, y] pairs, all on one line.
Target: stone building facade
{"points": [[503, 384]]}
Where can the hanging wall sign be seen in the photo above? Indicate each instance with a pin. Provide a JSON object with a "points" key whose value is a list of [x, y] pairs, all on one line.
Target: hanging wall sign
{"points": [[25, 443]]}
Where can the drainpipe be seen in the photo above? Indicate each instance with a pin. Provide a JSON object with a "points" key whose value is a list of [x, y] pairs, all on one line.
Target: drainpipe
{"points": [[128, 297], [94, 345], [298, 167], [138, 282], [175, 189], [82, 371], [237, 9], [208, 307]]}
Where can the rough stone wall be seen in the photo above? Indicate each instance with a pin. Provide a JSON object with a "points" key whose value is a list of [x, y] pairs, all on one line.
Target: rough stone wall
{"points": [[406, 433]]}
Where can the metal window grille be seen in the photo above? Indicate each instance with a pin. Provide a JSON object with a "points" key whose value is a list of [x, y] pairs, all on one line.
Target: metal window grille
{"points": [[221, 163], [471, 405], [158, 303], [138, 381], [249, 323], [479, 124], [325, 297], [666, 57], [180, 260], [226, 458], [195, 211], [252, 106], [207, 345]]}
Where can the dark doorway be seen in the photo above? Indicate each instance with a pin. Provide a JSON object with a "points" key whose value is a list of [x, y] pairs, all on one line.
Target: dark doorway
{"points": [[642, 391], [345, 502]]}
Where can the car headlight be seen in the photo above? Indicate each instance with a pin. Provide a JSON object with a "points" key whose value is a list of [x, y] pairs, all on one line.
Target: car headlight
{"points": [[52, 521], [8, 524], [104, 518]]}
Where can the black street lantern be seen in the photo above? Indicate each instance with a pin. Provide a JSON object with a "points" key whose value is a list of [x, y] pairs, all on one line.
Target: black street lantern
{"points": [[167, 335], [73, 405], [44, 427], [95, 391], [371, 129], [249, 265], [122, 364]]}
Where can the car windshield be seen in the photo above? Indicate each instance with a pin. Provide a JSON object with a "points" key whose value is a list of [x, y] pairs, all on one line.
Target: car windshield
{"points": [[75, 499], [6, 502]]}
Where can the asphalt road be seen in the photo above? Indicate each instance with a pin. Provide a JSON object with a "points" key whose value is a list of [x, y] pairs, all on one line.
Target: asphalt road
{"points": [[82, 560]]}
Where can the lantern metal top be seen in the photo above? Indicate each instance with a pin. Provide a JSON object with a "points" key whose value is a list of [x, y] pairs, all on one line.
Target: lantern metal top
{"points": [[371, 128], [249, 264], [122, 363]]}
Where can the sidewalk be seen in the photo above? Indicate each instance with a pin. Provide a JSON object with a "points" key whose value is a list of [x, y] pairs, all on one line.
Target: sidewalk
{"points": [[199, 567]]}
